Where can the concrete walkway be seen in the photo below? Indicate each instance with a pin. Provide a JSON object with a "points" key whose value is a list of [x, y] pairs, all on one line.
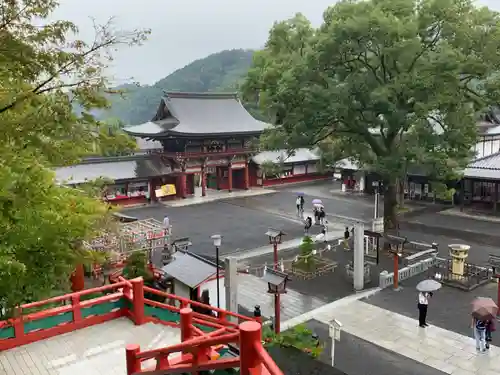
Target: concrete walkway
{"points": [[447, 351], [334, 234], [215, 195]]}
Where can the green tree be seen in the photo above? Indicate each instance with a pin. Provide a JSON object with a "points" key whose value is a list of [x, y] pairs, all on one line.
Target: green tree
{"points": [[306, 258], [113, 141], [397, 83], [44, 71]]}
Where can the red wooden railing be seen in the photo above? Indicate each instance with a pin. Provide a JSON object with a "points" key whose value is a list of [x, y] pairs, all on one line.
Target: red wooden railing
{"points": [[125, 298], [227, 152], [197, 350]]}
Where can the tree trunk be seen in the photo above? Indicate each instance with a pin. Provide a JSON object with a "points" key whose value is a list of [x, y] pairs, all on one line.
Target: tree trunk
{"points": [[390, 205], [400, 192]]}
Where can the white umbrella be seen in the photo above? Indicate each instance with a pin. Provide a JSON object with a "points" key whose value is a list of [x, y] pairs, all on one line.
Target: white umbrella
{"points": [[318, 205], [428, 285]]}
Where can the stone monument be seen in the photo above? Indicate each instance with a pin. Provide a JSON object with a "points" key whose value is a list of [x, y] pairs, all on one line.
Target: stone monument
{"points": [[459, 254]]}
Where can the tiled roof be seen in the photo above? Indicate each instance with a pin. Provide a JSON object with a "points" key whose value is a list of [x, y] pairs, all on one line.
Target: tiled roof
{"points": [[199, 114], [114, 170], [300, 155], [189, 270], [485, 168]]}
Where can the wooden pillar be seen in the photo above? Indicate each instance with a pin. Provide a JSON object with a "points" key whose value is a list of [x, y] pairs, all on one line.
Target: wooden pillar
{"points": [[138, 300], [495, 197], [246, 175], [250, 337], [133, 363], [78, 279], [217, 177], [203, 181], [183, 184], [229, 177], [186, 324]]}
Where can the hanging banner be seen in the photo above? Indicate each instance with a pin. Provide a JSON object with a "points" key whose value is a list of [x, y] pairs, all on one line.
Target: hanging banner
{"points": [[165, 190]]}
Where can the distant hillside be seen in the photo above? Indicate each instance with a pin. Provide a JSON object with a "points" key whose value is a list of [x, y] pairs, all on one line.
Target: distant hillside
{"points": [[221, 71]]}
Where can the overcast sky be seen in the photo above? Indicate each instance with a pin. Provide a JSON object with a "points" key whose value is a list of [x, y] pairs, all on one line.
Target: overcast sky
{"points": [[186, 30]]}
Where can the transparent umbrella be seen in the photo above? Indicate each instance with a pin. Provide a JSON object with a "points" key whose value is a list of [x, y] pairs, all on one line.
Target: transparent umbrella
{"points": [[428, 285]]}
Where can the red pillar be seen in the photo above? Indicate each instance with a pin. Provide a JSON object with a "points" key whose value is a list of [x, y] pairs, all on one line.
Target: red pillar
{"points": [[78, 279], [133, 363], [217, 177], [396, 271], [186, 324], [277, 303], [203, 182], [138, 300], [183, 184], [230, 178], [246, 176], [250, 337]]}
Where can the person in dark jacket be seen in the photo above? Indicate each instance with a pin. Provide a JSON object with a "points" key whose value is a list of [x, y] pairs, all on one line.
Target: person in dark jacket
{"points": [[308, 225]]}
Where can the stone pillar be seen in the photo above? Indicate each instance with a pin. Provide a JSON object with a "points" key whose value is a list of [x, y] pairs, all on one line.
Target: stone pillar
{"points": [[359, 256], [231, 286], [230, 177]]}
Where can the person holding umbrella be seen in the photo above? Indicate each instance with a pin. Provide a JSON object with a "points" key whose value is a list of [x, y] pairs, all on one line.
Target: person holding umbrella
{"points": [[484, 311], [426, 289]]}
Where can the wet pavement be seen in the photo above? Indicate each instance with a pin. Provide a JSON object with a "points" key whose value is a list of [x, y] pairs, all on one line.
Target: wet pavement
{"points": [[328, 287], [449, 308], [243, 222], [376, 360]]}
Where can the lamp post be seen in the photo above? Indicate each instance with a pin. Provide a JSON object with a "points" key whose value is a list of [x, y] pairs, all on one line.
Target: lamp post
{"points": [[396, 249], [276, 283], [275, 239], [217, 238]]}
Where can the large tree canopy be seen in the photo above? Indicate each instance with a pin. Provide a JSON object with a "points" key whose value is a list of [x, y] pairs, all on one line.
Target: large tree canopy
{"points": [[44, 71], [392, 84]]}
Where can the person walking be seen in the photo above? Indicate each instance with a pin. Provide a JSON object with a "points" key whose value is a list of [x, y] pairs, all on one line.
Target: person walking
{"points": [[346, 238], [490, 328], [479, 327], [166, 224], [423, 303], [297, 203], [322, 215], [308, 225], [302, 202]]}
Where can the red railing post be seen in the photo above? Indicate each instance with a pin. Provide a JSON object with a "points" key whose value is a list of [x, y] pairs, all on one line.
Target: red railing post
{"points": [[186, 324], [250, 337], [77, 311], [18, 323], [138, 300], [133, 363]]}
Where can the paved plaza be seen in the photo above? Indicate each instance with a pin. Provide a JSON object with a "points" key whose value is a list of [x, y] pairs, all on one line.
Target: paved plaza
{"points": [[96, 350], [376, 360], [448, 309], [441, 349]]}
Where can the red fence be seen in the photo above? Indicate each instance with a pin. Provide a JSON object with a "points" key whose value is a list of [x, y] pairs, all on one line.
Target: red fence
{"points": [[198, 351], [126, 298]]}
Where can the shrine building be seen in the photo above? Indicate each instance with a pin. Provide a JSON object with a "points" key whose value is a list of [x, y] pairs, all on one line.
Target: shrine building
{"points": [[195, 142]]}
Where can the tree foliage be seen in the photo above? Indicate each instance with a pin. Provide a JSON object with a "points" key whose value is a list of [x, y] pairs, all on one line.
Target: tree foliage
{"points": [[44, 70], [395, 83], [113, 140]]}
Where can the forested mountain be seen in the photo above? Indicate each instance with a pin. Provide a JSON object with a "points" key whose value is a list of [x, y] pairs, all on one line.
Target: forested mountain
{"points": [[221, 71]]}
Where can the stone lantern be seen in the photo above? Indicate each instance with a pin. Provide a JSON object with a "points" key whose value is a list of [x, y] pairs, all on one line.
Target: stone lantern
{"points": [[459, 254]]}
